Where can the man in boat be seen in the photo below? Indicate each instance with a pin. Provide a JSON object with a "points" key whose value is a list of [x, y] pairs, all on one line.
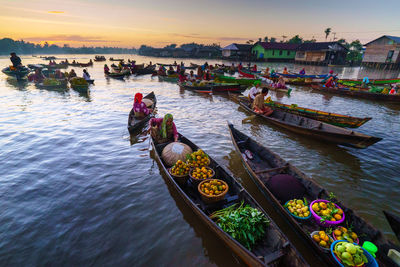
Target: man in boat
{"points": [[163, 129], [233, 67], [171, 70], [106, 69], [139, 107], [302, 72], [254, 91], [72, 74], [15, 60], [259, 106], [191, 77], [86, 75]]}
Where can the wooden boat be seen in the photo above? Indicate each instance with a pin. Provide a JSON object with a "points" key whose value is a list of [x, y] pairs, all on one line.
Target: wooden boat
{"points": [[116, 59], [344, 91], [86, 64], [263, 164], [274, 250], [315, 129], [194, 65], [394, 222], [328, 117], [294, 75], [63, 83], [99, 58], [135, 124], [116, 75], [19, 73], [212, 87], [146, 70], [371, 81], [286, 90], [171, 79], [241, 81], [247, 74]]}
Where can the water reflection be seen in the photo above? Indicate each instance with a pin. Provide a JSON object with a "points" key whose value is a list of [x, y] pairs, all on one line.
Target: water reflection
{"points": [[19, 84]]}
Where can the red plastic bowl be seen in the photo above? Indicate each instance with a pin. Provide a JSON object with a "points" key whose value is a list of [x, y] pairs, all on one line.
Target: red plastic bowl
{"points": [[318, 218]]}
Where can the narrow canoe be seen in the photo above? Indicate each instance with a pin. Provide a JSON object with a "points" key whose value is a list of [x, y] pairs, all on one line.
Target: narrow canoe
{"points": [[312, 76], [374, 82], [213, 87], [171, 79], [274, 250], [394, 222], [314, 129], [264, 165], [62, 83], [115, 75], [328, 117], [247, 74], [241, 81], [135, 124], [19, 74], [344, 91]]}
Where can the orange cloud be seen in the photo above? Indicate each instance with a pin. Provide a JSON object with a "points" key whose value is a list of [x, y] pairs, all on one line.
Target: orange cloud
{"points": [[56, 12]]}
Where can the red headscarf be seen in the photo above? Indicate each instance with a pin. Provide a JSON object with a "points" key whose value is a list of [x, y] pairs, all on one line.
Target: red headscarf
{"points": [[138, 98]]}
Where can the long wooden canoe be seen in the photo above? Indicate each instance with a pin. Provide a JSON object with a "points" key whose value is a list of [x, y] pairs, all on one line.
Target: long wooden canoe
{"points": [[344, 91], [264, 164], [213, 87], [394, 222], [274, 250], [371, 81], [315, 129], [328, 117], [135, 124], [171, 79], [241, 81]]}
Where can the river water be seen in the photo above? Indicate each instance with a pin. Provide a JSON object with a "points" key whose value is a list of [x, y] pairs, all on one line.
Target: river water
{"points": [[76, 190]]}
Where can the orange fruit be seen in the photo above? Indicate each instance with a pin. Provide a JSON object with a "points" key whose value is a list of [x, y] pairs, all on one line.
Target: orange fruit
{"points": [[337, 216], [316, 238], [337, 232]]}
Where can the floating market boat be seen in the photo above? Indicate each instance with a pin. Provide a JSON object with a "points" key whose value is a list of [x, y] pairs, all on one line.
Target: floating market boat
{"points": [[53, 84], [16, 73], [328, 117], [99, 58], [315, 129], [135, 124], [293, 75], [116, 59], [266, 167], [248, 74], [146, 70], [394, 222], [371, 81], [274, 249], [241, 81], [168, 78], [211, 87], [345, 91]]}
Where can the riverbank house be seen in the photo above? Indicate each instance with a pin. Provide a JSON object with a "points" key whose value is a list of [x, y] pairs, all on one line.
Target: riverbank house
{"points": [[382, 53], [266, 51], [321, 53], [237, 51]]}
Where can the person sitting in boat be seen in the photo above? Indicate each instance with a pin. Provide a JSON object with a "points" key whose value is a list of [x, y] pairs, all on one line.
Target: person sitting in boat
{"points": [[254, 91], [365, 82], [207, 76], [233, 68], [200, 72], [302, 72], [240, 66], [393, 91], [72, 74], [59, 75], [163, 129], [191, 76], [86, 75], [175, 63], [52, 63], [254, 69], [281, 84], [182, 76], [73, 61], [266, 71], [15, 60], [259, 105], [106, 69], [178, 69], [330, 83], [171, 70], [139, 107], [66, 61], [90, 61], [161, 71], [37, 77], [273, 74], [285, 71]]}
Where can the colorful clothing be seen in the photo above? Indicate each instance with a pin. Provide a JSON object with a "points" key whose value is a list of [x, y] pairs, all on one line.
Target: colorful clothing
{"points": [[170, 132], [139, 107]]}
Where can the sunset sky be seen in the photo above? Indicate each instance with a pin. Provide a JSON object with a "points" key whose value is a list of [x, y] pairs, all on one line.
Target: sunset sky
{"points": [[130, 23]]}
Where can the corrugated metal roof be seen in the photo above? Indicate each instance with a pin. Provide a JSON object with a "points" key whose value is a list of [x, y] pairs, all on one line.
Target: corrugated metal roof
{"points": [[317, 46], [394, 38]]}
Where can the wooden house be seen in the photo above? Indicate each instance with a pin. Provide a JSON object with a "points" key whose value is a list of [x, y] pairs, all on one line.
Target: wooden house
{"points": [[382, 52], [237, 51], [266, 51], [321, 53]]}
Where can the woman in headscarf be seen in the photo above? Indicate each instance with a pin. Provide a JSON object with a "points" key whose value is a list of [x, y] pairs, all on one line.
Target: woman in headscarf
{"points": [[163, 129], [302, 72], [106, 69], [139, 107]]}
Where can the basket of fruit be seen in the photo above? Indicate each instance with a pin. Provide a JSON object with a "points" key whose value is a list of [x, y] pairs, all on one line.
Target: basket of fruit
{"points": [[322, 239], [212, 190], [197, 159], [298, 209], [342, 233], [326, 213], [350, 254], [180, 171], [199, 174]]}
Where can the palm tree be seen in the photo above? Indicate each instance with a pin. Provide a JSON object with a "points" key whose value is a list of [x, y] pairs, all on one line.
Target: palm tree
{"points": [[327, 32]]}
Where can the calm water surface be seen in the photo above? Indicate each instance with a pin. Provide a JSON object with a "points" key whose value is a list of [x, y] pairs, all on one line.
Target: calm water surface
{"points": [[76, 190]]}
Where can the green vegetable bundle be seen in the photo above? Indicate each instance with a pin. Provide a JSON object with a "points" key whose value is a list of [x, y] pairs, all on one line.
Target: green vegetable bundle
{"points": [[245, 224], [51, 82]]}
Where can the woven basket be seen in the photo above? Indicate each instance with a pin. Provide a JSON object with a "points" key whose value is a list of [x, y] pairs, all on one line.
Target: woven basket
{"points": [[197, 181], [180, 179], [212, 199]]}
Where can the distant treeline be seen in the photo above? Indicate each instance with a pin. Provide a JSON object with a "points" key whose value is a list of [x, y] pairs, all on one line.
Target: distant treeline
{"points": [[190, 50], [8, 45]]}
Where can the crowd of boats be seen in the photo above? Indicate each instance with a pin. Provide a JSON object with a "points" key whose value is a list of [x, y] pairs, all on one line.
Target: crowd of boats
{"points": [[279, 181]]}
